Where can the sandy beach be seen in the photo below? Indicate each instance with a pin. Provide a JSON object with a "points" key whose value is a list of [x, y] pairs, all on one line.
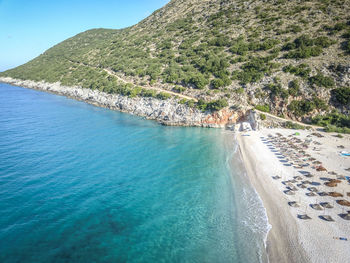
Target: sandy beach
{"points": [[294, 175]]}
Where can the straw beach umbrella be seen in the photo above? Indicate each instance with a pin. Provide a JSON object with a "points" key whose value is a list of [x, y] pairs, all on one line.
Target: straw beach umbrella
{"points": [[345, 216], [310, 194], [326, 205], [294, 204], [304, 217], [312, 189], [320, 169], [322, 193], [289, 192], [335, 194], [316, 206], [331, 184], [327, 218], [343, 202]]}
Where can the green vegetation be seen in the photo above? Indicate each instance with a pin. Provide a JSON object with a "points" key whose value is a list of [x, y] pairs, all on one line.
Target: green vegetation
{"points": [[199, 81], [262, 116], [163, 96], [336, 28], [322, 81], [346, 44], [264, 108], [241, 47], [215, 105], [342, 95], [254, 70], [216, 47], [276, 90], [306, 47], [302, 70], [333, 122], [303, 107], [295, 126], [294, 88]]}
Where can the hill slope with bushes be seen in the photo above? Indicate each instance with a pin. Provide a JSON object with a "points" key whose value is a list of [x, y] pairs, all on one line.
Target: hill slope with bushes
{"points": [[293, 56]]}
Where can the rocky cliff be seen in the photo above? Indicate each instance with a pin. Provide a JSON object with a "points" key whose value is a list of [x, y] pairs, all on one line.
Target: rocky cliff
{"points": [[168, 112]]}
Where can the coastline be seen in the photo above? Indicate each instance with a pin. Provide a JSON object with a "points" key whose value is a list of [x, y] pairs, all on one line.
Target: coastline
{"points": [[291, 239], [167, 112], [282, 227], [255, 215]]}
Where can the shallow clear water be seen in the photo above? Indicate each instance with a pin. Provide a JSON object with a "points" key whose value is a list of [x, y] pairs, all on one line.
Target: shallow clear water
{"points": [[84, 184]]}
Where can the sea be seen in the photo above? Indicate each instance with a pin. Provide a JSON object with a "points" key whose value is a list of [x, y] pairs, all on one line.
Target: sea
{"points": [[79, 183]]}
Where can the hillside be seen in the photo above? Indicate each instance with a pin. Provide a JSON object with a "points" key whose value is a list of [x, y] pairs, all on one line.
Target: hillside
{"points": [[290, 58]]}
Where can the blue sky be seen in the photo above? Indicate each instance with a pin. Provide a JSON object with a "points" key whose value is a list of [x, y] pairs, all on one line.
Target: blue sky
{"points": [[29, 27]]}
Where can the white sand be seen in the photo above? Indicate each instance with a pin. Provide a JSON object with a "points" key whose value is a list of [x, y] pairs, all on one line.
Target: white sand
{"points": [[292, 239]]}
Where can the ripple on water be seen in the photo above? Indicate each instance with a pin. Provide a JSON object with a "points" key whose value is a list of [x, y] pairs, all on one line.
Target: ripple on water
{"points": [[84, 184]]}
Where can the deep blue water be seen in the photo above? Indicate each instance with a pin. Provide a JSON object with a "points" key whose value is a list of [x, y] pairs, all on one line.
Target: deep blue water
{"points": [[85, 184]]}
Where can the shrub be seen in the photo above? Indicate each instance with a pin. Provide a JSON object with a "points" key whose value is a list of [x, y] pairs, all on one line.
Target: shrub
{"points": [[333, 128], [220, 41], [337, 27], [239, 48], [322, 81], [302, 70], [347, 47], [217, 83], [264, 108], [135, 92], [305, 47], [262, 117], [292, 125], [276, 90], [202, 105], [148, 93], [304, 52], [342, 95], [179, 89], [217, 105], [254, 70], [301, 107], [323, 42], [295, 28], [294, 88], [334, 122], [239, 90], [190, 103], [319, 103], [163, 96], [199, 81], [268, 44]]}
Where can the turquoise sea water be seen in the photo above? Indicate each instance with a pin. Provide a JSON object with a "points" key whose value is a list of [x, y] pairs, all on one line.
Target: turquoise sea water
{"points": [[85, 184]]}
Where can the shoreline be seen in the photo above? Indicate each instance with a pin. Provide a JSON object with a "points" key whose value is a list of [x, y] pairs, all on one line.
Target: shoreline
{"points": [[288, 239], [282, 252], [247, 202], [167, 112], [291, 239]]}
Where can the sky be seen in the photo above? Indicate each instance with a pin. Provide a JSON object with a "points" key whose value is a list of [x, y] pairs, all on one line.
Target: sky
{"points": [[29, 27]]}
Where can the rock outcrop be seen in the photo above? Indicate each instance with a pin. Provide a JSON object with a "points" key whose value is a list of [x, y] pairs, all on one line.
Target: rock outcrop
{"points": [[167, 112]]}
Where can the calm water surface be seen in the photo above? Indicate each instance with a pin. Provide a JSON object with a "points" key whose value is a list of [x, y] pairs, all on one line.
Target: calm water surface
{"points": [[84, 184]]}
